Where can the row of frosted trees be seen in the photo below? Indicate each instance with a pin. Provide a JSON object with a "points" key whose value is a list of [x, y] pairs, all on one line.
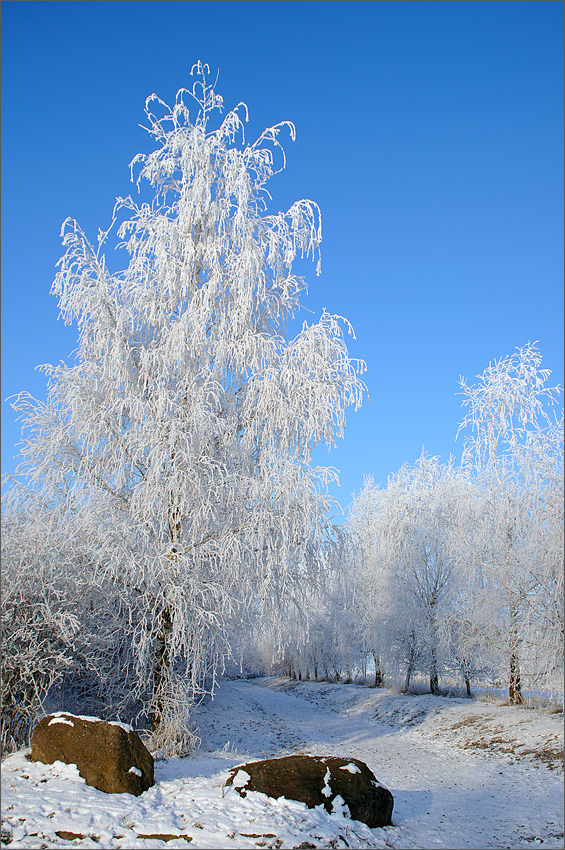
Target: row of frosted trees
{"points": [[455, 570]]}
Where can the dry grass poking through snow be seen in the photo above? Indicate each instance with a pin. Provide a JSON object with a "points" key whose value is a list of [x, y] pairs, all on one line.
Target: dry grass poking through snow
{"points": [[497, 727], [483, 733]]}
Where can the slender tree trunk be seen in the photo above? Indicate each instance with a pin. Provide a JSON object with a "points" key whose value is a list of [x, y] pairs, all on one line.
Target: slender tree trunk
{"points": [[408, 676], [161, 665], [378, 672], [515, 685], [434, 681], [467, 682], [347, 670], [411, 659], [316, 672], [432, 630], [162, 643]]}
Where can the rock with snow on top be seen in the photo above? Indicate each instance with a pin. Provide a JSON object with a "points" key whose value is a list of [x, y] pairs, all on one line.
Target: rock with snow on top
{"points": [[319, 781], [109, 755]]}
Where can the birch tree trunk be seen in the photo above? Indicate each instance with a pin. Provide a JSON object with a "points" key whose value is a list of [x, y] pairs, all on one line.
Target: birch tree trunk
{"points": [[378, 674], [434, 679], [515, 686], [161, 669]]}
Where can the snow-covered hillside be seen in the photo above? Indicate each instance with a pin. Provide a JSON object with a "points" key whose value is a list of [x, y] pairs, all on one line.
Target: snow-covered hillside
{"points": [[464, 774]]}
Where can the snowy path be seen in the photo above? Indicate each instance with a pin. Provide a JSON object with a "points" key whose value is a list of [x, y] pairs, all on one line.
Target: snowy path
{"points": [[464, 774], [452, 796]]}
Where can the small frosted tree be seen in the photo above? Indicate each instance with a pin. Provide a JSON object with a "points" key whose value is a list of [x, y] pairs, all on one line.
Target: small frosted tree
{"points": [[183, 432], [406, 531], [370, 569]]}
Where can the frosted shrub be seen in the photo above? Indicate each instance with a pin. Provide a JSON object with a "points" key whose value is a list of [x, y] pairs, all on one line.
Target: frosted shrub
{"points": [[39, 625]]}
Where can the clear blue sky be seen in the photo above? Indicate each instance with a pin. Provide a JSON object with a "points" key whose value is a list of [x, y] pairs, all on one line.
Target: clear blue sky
{"points": [[430, 134]]}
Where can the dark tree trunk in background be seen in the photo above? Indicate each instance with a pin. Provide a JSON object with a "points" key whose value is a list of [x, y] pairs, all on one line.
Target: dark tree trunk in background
{"points": [[434, 680], [408, 676], [515, 685], [412, 655], [467, 683], [378, 672], [432, 630]]}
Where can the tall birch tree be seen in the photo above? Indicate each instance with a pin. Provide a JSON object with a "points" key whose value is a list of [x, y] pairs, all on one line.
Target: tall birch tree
{"points": [[512, 454], [184, 429]]}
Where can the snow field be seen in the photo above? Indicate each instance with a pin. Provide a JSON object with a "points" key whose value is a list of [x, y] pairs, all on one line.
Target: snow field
{"points": [[454, 784]]}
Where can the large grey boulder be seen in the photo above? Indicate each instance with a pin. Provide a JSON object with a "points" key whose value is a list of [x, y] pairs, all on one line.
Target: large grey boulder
{"points": [[317, 781], [109, 755]]}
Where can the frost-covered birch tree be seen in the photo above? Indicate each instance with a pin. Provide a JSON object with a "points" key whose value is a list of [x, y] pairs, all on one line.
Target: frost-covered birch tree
{"points": [[182, 433], [408, 535], [540, 459], [515, 453], [372, 573], [428, 498]]}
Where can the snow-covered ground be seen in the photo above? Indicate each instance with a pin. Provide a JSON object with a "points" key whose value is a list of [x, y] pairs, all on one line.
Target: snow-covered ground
{"points": [[464, 774]]}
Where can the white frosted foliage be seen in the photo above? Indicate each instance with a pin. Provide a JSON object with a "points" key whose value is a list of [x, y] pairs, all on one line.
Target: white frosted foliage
{"points": [[469, 558], [180, 439]]}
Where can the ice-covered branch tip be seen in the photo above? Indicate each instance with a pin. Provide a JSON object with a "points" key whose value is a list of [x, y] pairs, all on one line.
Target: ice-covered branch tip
{"points": [[510, 395]]}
